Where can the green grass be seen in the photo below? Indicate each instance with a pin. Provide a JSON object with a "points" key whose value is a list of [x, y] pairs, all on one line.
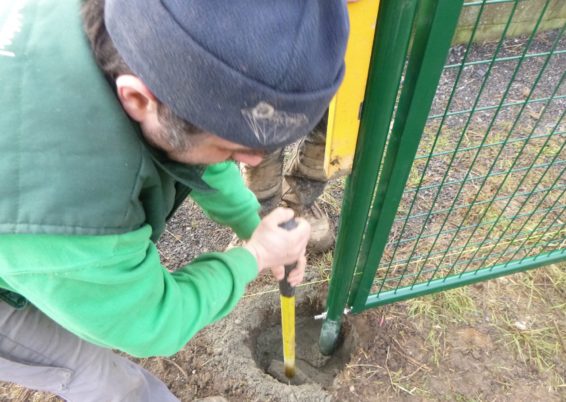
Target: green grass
{"points": [[536, 339], [451, 306]]}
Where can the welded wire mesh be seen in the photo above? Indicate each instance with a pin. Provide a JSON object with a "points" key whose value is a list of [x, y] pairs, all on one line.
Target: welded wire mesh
{"points": [[487, 186]]}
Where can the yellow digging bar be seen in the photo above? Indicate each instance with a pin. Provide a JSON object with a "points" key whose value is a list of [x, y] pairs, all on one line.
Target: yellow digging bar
{"points": [[288, 331], [287, 297]]}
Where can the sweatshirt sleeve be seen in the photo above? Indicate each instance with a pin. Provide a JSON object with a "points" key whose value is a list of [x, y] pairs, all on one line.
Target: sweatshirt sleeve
{"points": [[233, 204], [113, 291]]}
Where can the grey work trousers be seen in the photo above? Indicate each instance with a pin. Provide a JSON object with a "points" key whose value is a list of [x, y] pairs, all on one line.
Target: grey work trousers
{"points": [[37, 353]]}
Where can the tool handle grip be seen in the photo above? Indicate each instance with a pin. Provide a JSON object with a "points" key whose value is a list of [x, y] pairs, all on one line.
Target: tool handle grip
{"points": [[284, 287]]}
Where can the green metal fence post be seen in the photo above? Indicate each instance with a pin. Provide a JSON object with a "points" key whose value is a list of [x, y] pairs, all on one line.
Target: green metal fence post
{"points": [[391, 42], [436, 23]]}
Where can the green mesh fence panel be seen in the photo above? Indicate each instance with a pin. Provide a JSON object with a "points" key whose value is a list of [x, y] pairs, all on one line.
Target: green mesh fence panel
{"points": [[468, 158], [487, 185]]}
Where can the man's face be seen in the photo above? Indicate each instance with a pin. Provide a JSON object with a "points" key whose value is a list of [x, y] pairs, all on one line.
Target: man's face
{"points": [[204, 149], [211, 149]]}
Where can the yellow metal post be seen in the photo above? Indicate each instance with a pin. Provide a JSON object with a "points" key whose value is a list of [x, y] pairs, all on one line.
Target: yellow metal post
{"points": [[343, 115]]}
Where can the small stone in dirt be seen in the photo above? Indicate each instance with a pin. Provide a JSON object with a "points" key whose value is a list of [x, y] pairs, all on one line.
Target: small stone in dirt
{"points": [[521, 325], [213, 399], [237, 322], [314, 357], [277, 370]]}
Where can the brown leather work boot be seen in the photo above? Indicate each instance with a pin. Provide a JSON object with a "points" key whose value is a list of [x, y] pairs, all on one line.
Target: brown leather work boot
{"points": [[304, 183], [265, 180], [308, 160], [322, 232]]}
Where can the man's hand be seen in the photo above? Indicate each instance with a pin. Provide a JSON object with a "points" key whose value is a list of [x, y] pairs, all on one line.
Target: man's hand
{"points": [[274, 247]]}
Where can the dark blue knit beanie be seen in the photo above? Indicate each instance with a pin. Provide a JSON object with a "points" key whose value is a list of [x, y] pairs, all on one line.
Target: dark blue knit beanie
{"points": [[256, 72]]}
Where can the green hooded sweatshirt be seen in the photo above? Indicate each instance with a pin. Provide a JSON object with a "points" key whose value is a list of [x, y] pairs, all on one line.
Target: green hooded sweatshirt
{"points": [[83, 198]]}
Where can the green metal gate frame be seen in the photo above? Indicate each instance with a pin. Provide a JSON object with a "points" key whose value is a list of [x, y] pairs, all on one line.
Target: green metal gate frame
{"points": [[412, 42]]}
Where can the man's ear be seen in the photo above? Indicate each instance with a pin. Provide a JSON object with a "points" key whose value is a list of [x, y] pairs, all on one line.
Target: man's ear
{"points": [[137, 100]]}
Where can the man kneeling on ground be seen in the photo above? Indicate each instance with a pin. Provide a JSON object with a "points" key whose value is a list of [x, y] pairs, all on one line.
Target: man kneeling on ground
{"points": [[100, 144]]}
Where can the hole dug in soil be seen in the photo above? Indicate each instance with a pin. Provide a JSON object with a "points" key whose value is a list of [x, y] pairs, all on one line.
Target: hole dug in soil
{"points": [[311, 366]]}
